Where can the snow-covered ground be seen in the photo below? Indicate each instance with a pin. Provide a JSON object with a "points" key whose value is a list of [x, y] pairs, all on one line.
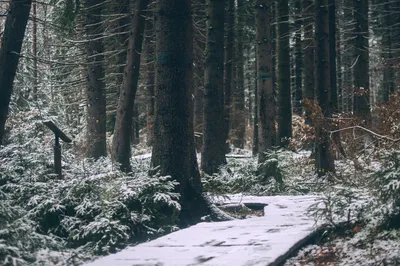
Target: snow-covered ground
{"points": [[256, 241]]}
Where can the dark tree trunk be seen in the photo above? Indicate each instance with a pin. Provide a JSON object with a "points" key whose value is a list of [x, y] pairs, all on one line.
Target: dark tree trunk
{"points": [[238, 107], [34, 52], [339, 66], [213, 153], [228, 75], [117, 64], [95, 86], [332, 54], [256, 136], [11, 44], [135, 125], [149, 52], [121, 147], [200, 32], [361, 57], [388, 71], [324, 160], [284, 91], [173, 149], [309, 77], [298, 60], [266, 101]]}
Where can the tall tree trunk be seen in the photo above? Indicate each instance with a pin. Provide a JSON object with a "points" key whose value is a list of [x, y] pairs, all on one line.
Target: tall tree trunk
{"points": [[339, 66], [120, 44], [149, 52], [238, 106], [361, 57], [11, 44], [213, 154], [173, 149], [332, 54], [388, 71], [284, 91], [309, 77], [266, 101], [199, 41], [34, 51], [95, 87], [298, 59], [121, 148], [324, 160], [256, 137], [228, 75]]}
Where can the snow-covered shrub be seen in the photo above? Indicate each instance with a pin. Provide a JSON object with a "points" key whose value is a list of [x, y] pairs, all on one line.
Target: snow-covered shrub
{"points": [[241, 175], [93, 209]]}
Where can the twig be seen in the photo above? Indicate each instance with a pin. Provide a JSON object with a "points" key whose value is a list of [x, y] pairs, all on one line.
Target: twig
{"points": [[367, 130]]}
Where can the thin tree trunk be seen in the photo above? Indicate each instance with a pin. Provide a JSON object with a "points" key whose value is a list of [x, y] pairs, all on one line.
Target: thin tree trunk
{"points": [[121, 148], [256, 138], [11, 44], [266, 101], [361, 58], [324, 159], [332, 54], [298, 59], [149, 52], [309, 77], [34, 51], [228, 75], [213, 154], [284, 91], [238, 106], [388, 71]]}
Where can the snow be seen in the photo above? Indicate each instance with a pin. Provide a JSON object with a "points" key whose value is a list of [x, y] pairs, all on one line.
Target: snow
{"points": [[254, 241]]}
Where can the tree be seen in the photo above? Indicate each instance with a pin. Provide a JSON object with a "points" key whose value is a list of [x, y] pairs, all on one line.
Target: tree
{"points": [[149, 52], [173, 149], [228, 66], [96, 102], [121, 147], [266, 101], [298, 59], [324, 159], [284, 92], [361, 59], [238, 106], [387, 54], [332, 54], [11, 44], [308, 73], [213, 153]]}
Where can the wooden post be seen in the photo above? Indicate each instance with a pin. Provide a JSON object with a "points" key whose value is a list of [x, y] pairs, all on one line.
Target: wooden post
{"points": [[57, 147]]}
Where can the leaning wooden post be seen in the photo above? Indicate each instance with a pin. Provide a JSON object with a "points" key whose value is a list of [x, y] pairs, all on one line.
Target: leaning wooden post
{"points": [[57, 147]]}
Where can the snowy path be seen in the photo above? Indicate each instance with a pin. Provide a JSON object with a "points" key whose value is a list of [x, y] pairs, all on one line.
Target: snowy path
{"points": [[256, 241]]}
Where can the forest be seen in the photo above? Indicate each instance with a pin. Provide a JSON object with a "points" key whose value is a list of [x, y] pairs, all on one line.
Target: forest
{"points": [[122, 121]]}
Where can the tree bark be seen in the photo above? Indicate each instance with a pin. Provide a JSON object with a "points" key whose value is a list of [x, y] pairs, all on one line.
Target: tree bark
{"points": [[228, 75], [149, 52], [121, 148], [388, 71], [266, 101], [213, 153], [309, 77], [256, 137], [298, 59], [34, 51], [332, 55], [361, 58], [95, 86], [11, 44], [324, 160], [173, 149], [284, 91], [238, 106]]}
